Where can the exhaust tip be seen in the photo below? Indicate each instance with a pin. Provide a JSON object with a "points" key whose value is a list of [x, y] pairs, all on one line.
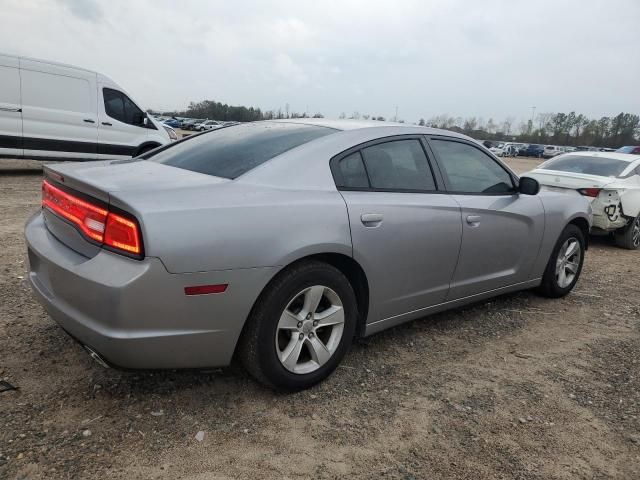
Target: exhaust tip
{"points": [[96, 356]]}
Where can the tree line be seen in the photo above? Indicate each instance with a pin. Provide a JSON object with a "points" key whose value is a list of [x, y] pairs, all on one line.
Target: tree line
{"points": [[569, 129], [221, 111]]}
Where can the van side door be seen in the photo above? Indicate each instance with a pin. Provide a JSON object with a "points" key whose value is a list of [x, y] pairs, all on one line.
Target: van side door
{"points": [[10, 108], [59, 117]]}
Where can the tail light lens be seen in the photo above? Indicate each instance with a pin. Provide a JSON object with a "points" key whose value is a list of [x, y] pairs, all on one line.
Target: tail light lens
{"points": [[590, 192], [123, 234], [118, 232]]}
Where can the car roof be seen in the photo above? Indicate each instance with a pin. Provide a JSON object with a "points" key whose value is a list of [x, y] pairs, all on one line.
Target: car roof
{"points": [[396, 128], [625, 157]]}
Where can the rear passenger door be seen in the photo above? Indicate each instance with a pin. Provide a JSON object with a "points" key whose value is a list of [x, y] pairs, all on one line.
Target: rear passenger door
{"points": [[501, 229], [405, 232], [10, 108]]}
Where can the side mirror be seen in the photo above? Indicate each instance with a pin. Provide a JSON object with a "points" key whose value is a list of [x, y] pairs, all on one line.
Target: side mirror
{"points": [[528, 186], [145, 121]]}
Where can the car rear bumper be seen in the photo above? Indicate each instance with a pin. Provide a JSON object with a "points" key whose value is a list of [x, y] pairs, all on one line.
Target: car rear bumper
{"points": [[134, 314]]}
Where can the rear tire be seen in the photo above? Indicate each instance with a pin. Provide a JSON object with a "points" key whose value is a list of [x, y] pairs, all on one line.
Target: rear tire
{"points": [[565, 264], [285, 344], [629, 237], [146, 149]]}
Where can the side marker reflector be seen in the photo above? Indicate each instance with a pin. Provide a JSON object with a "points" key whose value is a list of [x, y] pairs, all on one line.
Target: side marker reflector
{"points": [[205, 289]]}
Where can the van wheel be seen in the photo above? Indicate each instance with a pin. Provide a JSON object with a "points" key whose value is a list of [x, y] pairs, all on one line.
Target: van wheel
{"points": [[629, 237], [565, 264], [300, 328], [146, 149]]}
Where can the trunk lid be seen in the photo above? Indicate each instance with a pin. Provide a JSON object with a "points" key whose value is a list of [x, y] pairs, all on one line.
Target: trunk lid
{"points": [[114, 183], [574, 181]]}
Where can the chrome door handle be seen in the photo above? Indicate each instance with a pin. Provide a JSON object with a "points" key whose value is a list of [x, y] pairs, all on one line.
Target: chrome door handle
{"points": [[473, 220], [371, 219], [9, 109]]}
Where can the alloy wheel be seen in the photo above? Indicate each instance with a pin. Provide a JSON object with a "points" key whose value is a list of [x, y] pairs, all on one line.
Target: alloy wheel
{"points": [[635, 232], [310, 329], [568, 262]]}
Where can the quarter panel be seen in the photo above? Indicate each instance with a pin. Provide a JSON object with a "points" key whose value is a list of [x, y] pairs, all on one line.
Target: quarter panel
{"points": [[231, 226]]}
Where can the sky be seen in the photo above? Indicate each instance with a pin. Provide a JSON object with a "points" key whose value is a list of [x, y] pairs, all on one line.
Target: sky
{"points": [[490, 59]]}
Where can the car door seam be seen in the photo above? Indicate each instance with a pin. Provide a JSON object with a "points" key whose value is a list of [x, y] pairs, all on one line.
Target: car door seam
{"points": [[455, 268]]}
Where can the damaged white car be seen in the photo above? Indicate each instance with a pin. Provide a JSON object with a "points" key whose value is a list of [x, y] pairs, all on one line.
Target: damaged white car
{"points": [[611, 181]]}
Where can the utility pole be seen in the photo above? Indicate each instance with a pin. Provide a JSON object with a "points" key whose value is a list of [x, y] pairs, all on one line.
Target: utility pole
{"points": [[396, 117]]}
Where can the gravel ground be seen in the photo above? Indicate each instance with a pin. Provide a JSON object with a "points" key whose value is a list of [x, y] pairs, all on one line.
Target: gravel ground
{"points": [[520, 387]]}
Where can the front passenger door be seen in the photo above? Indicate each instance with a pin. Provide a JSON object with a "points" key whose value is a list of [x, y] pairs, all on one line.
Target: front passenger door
{"points": [[501, 229]]}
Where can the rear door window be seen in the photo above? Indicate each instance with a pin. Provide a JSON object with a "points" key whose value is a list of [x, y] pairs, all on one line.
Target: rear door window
{"points": [[398, 165], [350, 172]]}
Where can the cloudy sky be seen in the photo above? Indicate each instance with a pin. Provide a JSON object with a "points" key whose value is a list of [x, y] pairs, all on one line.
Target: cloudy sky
{"points": [[466, 58]]}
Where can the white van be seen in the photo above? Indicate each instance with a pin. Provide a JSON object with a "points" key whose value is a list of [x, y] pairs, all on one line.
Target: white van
{"points": [[54, 111]]}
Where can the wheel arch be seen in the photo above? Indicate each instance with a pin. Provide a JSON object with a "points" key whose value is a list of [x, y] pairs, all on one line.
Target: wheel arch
{"points": [[583, 225], [348, 267], [145, 147]]}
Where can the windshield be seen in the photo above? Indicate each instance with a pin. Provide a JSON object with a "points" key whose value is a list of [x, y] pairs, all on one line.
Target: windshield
{"points": [[229, 152], [601, 166]]}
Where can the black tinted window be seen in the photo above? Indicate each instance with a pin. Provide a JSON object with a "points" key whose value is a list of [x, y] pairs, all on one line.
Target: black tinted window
{"points": [[398, 165], [114, 104], [350, 172], [469, 170], [602, 166], [117, 105], [231, 151]]}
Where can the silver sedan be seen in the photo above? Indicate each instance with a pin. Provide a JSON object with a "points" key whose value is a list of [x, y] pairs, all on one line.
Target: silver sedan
{"points": [[281, 241]]}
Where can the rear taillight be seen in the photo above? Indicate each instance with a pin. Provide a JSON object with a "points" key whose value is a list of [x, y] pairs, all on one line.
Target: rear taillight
{"points": [[89, 219], [119, 232], [123, 234], [590, 192]]}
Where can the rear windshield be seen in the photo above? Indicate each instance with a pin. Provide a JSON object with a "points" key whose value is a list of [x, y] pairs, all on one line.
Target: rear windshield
{"points": [[232, 151], [604, 167]]}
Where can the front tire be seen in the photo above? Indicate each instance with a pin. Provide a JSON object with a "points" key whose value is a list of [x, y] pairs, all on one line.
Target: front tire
{"points": [[300, 328], [565, 264], [629, 237]]}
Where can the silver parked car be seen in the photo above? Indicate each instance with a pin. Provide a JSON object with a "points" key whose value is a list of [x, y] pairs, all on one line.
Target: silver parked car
{"points": [[281, 241]]}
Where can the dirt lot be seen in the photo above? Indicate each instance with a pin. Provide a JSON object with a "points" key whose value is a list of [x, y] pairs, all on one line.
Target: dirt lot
{"points": [[520, 387]]}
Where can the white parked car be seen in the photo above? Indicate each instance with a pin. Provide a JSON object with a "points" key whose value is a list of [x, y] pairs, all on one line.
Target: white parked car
{"points": [[611, 181], [207, 125], [552, 150], [49, 110], [498, 150]]}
